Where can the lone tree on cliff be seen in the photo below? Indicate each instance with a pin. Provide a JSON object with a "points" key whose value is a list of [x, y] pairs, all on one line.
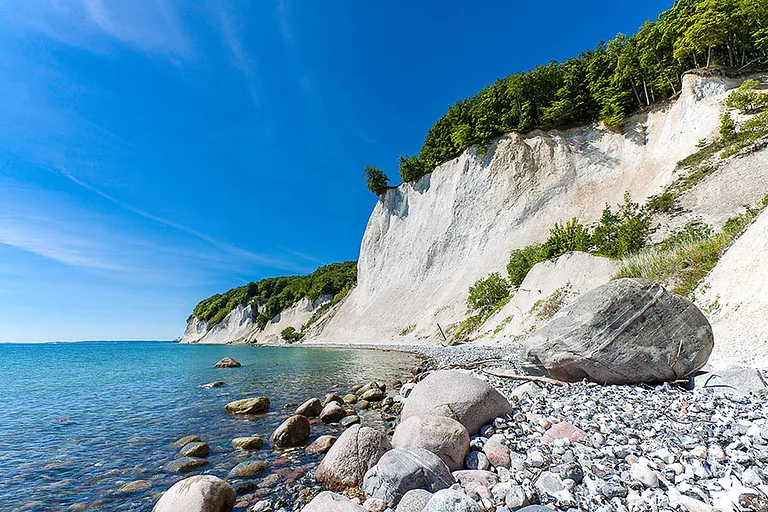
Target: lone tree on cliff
{"points": [[376, 180]]}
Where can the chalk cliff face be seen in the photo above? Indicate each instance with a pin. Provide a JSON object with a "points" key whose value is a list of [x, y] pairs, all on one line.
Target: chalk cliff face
{"points": [[427, 242]]}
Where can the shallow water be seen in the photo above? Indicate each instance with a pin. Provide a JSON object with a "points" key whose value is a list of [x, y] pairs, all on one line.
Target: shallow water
{"points": [[78, 420]]}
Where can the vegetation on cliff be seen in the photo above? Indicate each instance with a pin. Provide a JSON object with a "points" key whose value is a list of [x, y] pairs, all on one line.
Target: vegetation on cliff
{"points": [[271, 296], [606, 83]]}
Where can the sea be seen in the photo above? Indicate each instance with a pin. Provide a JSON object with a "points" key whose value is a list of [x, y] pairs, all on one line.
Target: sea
{"points": [[78, 421]]}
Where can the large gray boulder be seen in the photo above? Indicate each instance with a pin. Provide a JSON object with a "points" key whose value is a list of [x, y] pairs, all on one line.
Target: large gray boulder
{"points": [[445, 437], [203, 493], [328, 501], [628, 331], [467, 399], [356, 451], [449, 500], [403, 469]]}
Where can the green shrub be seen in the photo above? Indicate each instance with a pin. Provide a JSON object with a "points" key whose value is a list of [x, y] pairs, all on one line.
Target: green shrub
{"points": [[727, 126], [521, 261], [486, 294], [290, 334], [408, 330], [624, 232], [411, 168], [573, 236], [746, 99], [666, 202], [376, 180]]}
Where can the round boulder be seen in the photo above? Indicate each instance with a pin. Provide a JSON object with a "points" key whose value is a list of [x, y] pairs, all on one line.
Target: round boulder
{"points": [[321, 445], [356, 451], [256, 405], [204, 493], [373, 395], [185, 464], [196, 450], [328, 501], [248, 443], [227, 362], [449, 500], [248, 469], [628, 331], [403, 469], [333, 397], [311, 408], [332, 413], [414, 501], [467, 399], [445, 437], [292, 432], [186, 440]]}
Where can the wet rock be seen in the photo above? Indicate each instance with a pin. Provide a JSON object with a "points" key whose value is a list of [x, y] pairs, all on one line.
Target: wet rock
{"points": [[197, 449], [400, 470], [227, 362], [135, 486], [248, 469], [627, 331], [448, 500], [255, 405], [185, 464], [350, 399], [248, 443], [210, 385], [328, 501], [311, 408], [373, 395], [332, 413], [348, 421], [186, 440], [351, 456], [292, 432], [204, 493], [321, 445], [467, 399], [445, 437], [414, 501], [333, 397]]}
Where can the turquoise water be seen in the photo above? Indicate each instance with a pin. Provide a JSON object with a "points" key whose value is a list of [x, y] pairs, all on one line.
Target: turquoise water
{"points": [[79, 420]]}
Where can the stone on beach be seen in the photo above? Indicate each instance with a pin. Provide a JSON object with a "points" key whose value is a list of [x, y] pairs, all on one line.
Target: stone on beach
{"points": [[562, 430], [292, 432], [332, 413], [255, 405], [628, 331], [351, 456], [248, 443], [185, 464], [311, 408], [414, 501], [373, 395], [204, 493], [402, 469], [328, 501], [196, 449], [227, 362], [448, 500], [497, 452], [467, 399], [445, 437]]}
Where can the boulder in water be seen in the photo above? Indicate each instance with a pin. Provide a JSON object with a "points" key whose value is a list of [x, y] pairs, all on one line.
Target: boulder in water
{"points": [[256, 405], [248, 443], [204, 493], [321, 445], [292, 432], [629, 331], [196, 449], [185, 464], [332, 413], [311, 408], [227, 362]]}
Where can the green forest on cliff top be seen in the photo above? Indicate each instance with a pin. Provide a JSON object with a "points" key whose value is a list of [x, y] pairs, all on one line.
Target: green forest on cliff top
{"points": [[607, 83]]}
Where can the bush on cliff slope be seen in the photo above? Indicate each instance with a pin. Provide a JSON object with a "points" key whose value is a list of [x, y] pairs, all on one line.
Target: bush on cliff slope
{"points": [[271, 296], [606, 83]]}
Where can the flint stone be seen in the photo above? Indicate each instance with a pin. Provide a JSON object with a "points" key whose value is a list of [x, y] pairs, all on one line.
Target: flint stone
{"points": [[356, 451], [445, 437], [311, 408], [332, 413], [328, 501], [467, 399], [402, 469], [203, 493], [628, 331], [256, 405], [414, 501], [227, 362], [292, 432], [448, 500]]}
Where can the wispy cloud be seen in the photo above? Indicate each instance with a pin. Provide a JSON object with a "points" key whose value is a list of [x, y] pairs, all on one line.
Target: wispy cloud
{"points": [[230, 32]]}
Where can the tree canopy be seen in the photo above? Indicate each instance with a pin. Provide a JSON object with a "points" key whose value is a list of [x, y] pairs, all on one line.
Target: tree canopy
{"points": [[606, 83]]}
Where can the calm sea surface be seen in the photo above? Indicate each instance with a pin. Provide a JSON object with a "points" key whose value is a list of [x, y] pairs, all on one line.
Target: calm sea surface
{"points": [[79, 420]]}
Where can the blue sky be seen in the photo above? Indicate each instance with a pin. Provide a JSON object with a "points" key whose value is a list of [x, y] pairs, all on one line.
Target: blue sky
{"points": [[154, 152]]}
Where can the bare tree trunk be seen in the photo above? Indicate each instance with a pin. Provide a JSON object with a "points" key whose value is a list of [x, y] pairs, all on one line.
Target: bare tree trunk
{"points": [[647, 100], [695, 60], [709, 55], [637, 96]]}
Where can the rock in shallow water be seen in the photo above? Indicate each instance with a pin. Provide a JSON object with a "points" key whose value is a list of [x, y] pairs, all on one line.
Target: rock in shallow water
{"points": [[227, 362], [628, 331], [332, 413], [185, 464], [321, 445], [467, 399], [292, 432], [311, 408], [248, 469], [445, 437], [248, 443], [204, 493], [197, 449], [255, 405], [186, 440]]}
